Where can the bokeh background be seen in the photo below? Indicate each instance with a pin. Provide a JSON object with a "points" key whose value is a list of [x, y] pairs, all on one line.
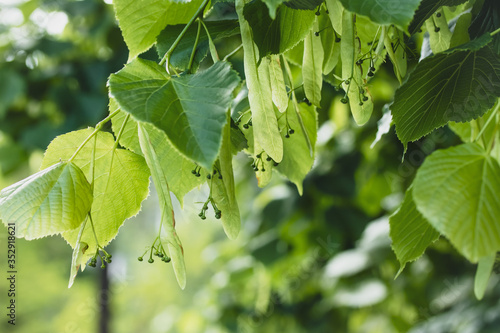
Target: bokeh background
{"points": [[320, 262]]}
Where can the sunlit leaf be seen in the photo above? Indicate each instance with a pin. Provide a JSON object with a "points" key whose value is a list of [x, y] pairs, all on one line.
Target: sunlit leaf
{"points": [[312, 66]]}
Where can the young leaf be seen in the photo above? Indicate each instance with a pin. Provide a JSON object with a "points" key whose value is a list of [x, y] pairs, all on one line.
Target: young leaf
{"points": [[190, 109], [458, 85], [180, 179], [121, 183], [297, 159], [439, 33], [385, 12], [223, 190], [149, 139], [394, 44], [49, 202], [312, 66], [460, 33], [142, 21], [456, 190], [181, 54], [279, 35], [410, 232], [266, 131], [484, 269], [77, 260], [278, 88]]}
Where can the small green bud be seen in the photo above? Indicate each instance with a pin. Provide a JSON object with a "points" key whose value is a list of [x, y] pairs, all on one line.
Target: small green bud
{"points": [[151, 260], [140, 259]]}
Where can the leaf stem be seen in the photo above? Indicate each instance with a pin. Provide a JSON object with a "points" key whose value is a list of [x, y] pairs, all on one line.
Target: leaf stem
{"points": [[229, 55], [166, 57], [120, 132], [213, 51], [495, 32], [195, 44], [488, 121], [96, 130]]}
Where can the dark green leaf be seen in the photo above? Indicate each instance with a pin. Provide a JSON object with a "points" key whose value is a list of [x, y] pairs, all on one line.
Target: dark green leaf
{"points": [[384, 12], [281, 34], [303, 4], [458, 85], [487, 20], [190, 109], [182, 53]]}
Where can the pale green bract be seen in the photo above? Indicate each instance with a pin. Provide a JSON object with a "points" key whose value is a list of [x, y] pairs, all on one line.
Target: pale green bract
{"points": [[150, 138], [121, 183], [312, 66], [141, 21], [49, 202], [190, 109], [484, 269], [456, 190], [410, 232], [278, 87]]}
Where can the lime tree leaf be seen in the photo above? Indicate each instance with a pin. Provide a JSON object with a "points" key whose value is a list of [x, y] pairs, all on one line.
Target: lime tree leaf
{"points": [[278, 88], [312, 66], [399, 13], [456, 190], [396, 53], [180, 178], [281, 34], [460, 34], [273, 6], [77, 260], [142, 21], [49, 202], [121, 183], [259, 93], [190, 109], [223, 190], [182, 52], [410, 232], [303, 4], [150, 139], [439, 33], [426, 9], [330, 43], [487, 20], [297, 159], [470, 130], [458, 85], [335, 12], [484, 269]]}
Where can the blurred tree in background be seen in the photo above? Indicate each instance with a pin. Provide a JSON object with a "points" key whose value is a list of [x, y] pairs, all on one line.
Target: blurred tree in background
{"points": [[320, 262]]}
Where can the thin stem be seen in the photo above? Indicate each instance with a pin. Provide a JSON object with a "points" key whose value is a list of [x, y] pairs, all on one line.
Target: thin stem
{"points": [[213, 51], [120, 132], [495, 32], [233, 52], [195, 45], [93, 231], [493, 137], [96, 130], [488, 121], [166, 57]]}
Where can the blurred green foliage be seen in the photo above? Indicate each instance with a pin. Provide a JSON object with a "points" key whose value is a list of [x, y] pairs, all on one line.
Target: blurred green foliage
{"points": [[320, 262]]}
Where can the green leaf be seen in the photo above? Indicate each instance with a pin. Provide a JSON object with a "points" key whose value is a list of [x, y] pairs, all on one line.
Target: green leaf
{"points": [[335, 12], [142, 21], [223, 190], [439, 33], [77, 260], [458, 85], [278, 35], [129, 138], [266, 131], [278, 88], [182, 52], [120, 182], [394, 44], [385, 12], [297, 159], [180, 179], [312, 66], [484, 269], [456, 190], [49, 202], [190, 109], [331, 48], [410, 232], [426, 9], [469, 131], [460, 34], [149, 140], [487, 20], [303, 4], [273, 6]]}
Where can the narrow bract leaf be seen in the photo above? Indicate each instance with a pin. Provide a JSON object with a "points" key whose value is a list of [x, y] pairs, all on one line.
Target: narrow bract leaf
{"points": [[460, 33], [49, 202], [456, 190], [278, 88], [148, 145], [121, 183], [484, 269], [439, 33], [303, 4], [223, 190], [331, 47], [129, 138], [394, 44], [426, 9], [335, 12], [281, 34], [190, 109], [411, 233], [77, 260], [297, 158], [312, 66], [141, 21], [386, 12], [458, 85], [259, 93]]}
